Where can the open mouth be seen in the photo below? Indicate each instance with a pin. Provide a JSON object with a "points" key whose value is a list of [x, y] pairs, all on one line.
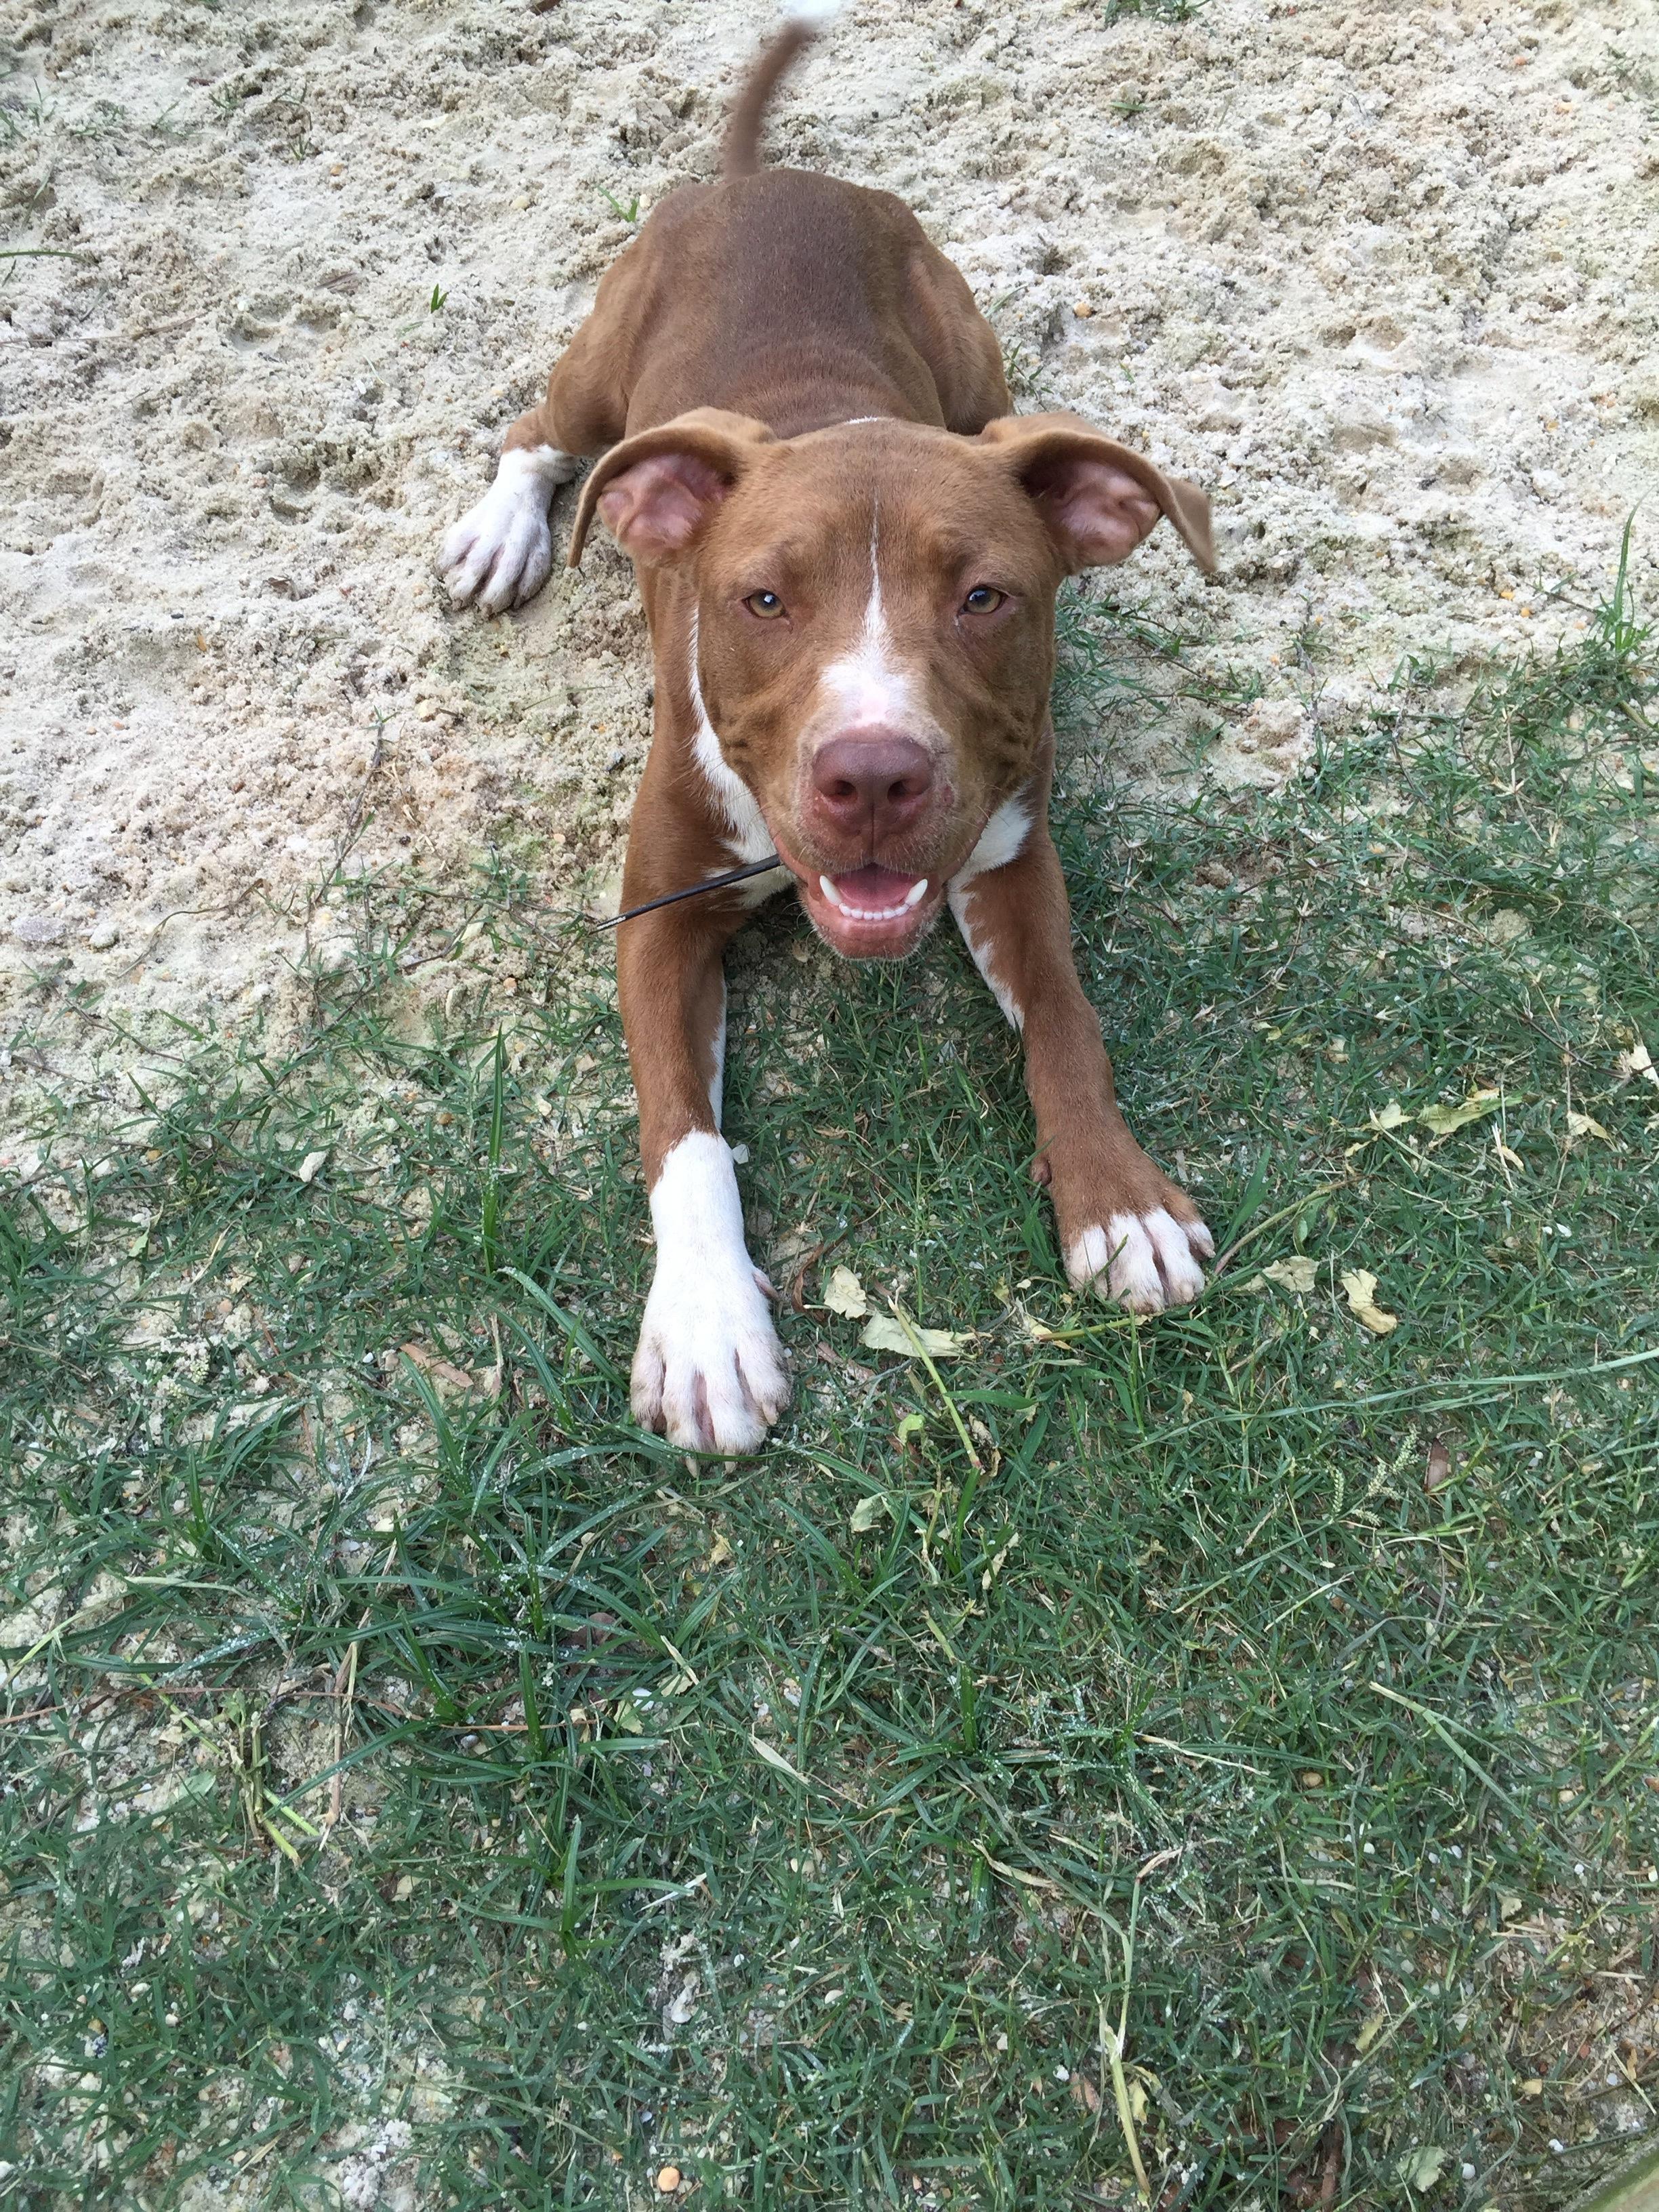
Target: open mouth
{"points": [[870, 913], [873, 894]]}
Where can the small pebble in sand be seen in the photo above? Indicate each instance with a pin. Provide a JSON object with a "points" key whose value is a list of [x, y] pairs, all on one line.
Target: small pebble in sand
{"points": [[668, 2180], [1082, 310]]}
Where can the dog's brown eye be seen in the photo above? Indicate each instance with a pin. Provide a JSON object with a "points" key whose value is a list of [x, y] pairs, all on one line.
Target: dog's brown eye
{"points": [[983, 599], [767, 604]]}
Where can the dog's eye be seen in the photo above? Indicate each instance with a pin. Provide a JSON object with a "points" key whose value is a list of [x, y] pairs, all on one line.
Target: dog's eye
{"points": [[983, 599], [767, 604]]}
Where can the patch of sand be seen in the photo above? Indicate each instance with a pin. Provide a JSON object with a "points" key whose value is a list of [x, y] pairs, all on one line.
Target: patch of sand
{"points": [[1383, 279]]}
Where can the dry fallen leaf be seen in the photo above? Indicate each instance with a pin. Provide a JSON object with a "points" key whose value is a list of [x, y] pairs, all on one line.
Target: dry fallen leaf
{"points": [[1085, 2092], [1389, 1116], [720, 1553], [1361, 1285], [1638, 1061], [440, 1369], [844, 1294], [1586, 1125], [869, 1510], [884, 1333], [1298, 1274], [1421, 2168], [1443, 1120], [1440, 1466], [776, 1759]]}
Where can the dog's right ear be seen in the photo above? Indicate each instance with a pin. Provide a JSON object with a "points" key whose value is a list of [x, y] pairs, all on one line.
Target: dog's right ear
{"points": [[654, 492]]}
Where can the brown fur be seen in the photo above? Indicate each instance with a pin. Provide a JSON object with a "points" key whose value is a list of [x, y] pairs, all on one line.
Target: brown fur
{"points": [[729, 353]]}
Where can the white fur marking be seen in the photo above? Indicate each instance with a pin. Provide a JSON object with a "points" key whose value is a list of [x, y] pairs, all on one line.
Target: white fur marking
{"points": [[1142, 1262], [717, 1080], [501, 551], [867, 684], [1002, 840], [981, 950], [746, 832], [708, 1372]]}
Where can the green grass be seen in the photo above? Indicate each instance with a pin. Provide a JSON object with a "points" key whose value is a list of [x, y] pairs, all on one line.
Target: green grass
{"points": [[398, 1736], [1162, 11]]}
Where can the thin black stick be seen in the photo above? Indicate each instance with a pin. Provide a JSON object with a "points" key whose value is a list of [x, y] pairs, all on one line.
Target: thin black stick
{"points": [[694, 890]]}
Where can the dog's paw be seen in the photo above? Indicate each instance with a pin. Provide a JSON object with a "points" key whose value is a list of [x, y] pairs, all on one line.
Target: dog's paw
{"points": [[1142, 1262], [709, 1373], [501, 551]]}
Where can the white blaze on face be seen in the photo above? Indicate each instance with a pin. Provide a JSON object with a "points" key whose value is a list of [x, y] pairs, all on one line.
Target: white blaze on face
{"points": [[708, 1372], [869, 687]]}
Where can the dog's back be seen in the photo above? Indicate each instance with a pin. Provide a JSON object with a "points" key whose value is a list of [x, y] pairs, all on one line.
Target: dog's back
{"points": [[794, 298]]}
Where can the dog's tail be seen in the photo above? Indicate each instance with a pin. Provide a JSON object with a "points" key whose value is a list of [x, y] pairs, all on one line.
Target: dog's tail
{"points": [[802, 22]]}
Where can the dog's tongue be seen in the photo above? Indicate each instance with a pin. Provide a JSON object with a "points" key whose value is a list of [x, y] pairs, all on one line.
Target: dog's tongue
{"points": [[874, 889]]}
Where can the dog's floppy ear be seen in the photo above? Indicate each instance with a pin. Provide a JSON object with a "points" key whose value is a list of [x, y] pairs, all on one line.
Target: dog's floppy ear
{"points": [[654, 492], [1097, 498]]}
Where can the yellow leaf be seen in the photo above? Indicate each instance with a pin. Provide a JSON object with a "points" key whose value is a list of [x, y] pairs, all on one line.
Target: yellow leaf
{"points": [[844, 1294], [868, 1511], [1298, 1274], [1586, 1125], [1443, 1120], [1361, 1285], [1506, 1153], [885, 1334], [1421, 2168], [720, 1553], [1375, 2024], [1389, 1116]]}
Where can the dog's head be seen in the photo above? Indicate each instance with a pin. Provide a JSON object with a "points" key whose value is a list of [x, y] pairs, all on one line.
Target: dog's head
{"points": [[873, 624]]}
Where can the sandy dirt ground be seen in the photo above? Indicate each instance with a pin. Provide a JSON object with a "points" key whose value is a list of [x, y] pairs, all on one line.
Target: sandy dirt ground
{"points": [[1384, 278]]}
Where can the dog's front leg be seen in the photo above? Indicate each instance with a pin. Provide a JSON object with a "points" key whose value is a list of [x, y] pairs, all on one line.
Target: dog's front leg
{"points": [[1125, 1228], [501, 551], [709, 1371]]}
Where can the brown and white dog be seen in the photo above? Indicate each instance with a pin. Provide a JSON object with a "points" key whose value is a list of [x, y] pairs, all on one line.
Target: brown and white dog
{"points": [[848, 547]]}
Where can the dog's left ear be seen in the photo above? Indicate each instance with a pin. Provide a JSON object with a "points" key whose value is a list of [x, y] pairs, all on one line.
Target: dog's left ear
{"points": [[1097, 498], [655, 491]]}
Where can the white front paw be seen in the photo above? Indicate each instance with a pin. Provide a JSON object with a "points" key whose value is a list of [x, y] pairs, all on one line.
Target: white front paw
{"points": [[501, 551], [1145, 1262], [709, 1373]]}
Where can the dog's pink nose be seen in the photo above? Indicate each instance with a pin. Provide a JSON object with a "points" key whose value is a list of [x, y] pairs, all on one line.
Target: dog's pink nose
{"points": [[869, 787]]}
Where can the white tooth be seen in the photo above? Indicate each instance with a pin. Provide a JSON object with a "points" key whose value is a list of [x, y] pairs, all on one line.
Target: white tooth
{"points": [[914, 897], [831, 894]]}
